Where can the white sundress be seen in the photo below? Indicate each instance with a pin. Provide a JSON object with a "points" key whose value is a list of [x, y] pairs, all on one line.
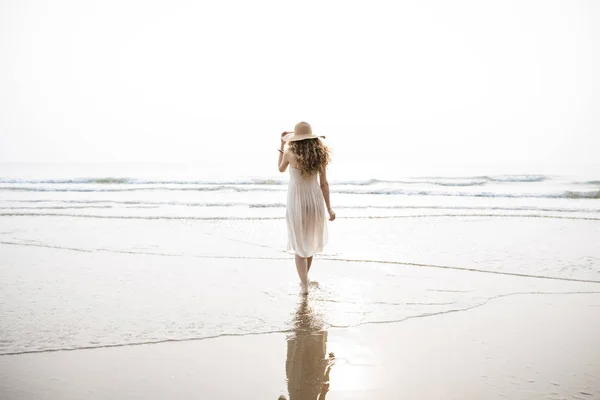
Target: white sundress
{"points": [[305, 215]]}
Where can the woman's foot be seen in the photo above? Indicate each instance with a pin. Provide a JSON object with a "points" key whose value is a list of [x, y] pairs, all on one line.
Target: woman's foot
{"points": [[304, 289]]}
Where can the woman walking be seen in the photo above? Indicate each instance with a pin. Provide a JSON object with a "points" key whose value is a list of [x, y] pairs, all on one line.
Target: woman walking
{"points": [[308, 195]]}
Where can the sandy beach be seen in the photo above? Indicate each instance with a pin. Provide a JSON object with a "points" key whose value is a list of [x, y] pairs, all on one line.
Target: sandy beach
{"points": [[93, 314], [516, 347], [438, 159], [180, 287]]}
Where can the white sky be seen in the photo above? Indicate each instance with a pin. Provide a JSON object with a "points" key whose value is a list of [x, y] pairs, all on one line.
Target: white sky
{"points": [[417, 81]]}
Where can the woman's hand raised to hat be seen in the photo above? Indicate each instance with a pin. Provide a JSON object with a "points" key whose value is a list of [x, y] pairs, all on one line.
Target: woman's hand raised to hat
{"points": [[282, 136]]}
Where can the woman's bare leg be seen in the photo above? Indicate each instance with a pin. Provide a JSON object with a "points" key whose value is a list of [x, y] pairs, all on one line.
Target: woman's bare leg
{"points": [[308, 263], [301, 266]]}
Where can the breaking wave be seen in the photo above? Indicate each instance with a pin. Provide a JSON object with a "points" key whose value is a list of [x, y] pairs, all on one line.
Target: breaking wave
{"points": [[388, 191], [439, 181], [103, 204]]}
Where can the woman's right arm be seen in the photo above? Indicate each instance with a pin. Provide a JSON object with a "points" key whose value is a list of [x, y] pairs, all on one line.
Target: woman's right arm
{"points": [[325, 189]]}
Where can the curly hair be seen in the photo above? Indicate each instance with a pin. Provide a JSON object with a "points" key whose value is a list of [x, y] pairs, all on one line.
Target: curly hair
{"points": [[312, 155]]}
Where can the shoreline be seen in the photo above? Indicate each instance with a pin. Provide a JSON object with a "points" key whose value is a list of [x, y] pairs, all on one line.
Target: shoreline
{"points": [[287, 331], [318, 258], [522, 346]]}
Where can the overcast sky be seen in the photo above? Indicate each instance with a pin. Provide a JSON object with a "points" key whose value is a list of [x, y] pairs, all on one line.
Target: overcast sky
{"points": [[418, 81]]}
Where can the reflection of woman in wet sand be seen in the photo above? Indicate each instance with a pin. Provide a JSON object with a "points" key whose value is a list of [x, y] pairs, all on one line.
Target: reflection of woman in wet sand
{"points": [[307, 367]]}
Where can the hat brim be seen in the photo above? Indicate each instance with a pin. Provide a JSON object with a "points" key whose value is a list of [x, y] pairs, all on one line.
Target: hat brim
{"points": [[292, 137]]}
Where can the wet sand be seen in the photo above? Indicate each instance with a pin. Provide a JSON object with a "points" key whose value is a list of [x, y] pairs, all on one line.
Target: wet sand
{"points": [[522, 346], [144, 309]]}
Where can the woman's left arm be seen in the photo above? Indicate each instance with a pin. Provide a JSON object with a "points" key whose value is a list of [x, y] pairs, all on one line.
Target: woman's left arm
{"points": [[283, 161]]}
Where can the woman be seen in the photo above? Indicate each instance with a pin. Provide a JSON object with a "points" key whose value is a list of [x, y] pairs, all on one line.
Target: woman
{"points": [[307, 157]]}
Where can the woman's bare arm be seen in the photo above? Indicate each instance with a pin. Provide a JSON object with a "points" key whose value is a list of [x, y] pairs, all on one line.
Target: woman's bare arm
{"points": [[283, 161], [325, 189]]}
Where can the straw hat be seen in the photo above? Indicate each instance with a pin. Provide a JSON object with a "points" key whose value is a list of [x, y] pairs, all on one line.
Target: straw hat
{"points": [[302, 131]]}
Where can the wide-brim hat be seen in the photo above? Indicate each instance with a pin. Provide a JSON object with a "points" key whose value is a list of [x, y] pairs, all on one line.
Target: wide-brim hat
{"points": [[302, 131]]}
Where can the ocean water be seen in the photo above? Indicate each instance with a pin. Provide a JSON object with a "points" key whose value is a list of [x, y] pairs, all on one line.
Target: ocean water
{"points": [[97, 255], [188, 192]]}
